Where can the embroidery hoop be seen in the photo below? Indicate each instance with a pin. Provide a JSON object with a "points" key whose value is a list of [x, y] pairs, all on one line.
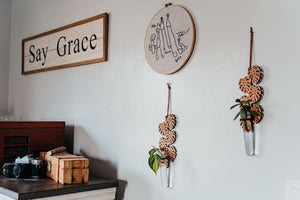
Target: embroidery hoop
{"points": [[160, 45]]}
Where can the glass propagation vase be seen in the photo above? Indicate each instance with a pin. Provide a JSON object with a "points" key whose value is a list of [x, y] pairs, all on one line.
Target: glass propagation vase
{"points": [[249, 138]]}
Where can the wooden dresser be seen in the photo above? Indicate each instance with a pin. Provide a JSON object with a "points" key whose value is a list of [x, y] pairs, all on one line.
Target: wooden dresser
{"points": [[46, 189]]}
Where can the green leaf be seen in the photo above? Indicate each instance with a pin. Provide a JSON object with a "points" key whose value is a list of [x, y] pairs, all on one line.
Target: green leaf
{"points": [[246, 102], [156, 163], [152, 151], [234, 106], [253, 113], [237, 100], [248, 108], [150, 161], [237, 115], [243, 113]]}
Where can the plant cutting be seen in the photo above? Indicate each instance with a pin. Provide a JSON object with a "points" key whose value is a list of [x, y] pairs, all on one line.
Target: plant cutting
{"points": [[246, 114], [155, 157]]}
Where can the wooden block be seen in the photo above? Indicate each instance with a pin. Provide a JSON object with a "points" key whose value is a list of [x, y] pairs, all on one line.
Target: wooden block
{"points": [[65, 176], [69, 176], [74, 163], [42, 155], [74, 170], [86, 174], [53, 163]]}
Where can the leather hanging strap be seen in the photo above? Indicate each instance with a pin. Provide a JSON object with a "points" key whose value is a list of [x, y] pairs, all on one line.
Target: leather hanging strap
{"points": [[169, 98], [251, 48]]}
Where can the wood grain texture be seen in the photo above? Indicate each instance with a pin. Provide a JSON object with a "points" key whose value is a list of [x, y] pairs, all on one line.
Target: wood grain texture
{"points": [[24, 189], [254, 93], [245, 84], [54, 161], [255, 74], [73, 171], [41, 136], [257, 118], [163, 128], [168, 139]]}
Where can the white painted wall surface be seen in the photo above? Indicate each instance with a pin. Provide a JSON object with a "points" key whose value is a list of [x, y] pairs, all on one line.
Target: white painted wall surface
{"points": [[5, 14], [117, 105]]}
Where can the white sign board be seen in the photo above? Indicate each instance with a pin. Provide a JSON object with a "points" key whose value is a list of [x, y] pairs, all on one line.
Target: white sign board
{"points": [[80, 43]]}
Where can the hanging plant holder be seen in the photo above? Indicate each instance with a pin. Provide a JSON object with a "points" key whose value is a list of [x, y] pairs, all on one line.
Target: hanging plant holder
{"points": [[163, 156], [250, 111]]}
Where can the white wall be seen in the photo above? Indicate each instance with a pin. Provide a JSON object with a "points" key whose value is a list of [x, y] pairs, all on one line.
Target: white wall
{"points": [[117, 105], [5, 13]]}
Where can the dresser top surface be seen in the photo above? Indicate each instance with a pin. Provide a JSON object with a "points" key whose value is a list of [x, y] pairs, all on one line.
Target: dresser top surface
{"points": [[22, 189]]}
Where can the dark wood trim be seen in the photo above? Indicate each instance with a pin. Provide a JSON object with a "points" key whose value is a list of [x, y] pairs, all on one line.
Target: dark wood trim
{"points": [[29, 125], [105, 44], [42, 136], [23, 189]]}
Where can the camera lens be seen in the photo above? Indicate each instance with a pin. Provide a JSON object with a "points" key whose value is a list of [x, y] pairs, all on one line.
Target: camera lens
{"points": [[17, 171], [21, 170], [8, 169]]}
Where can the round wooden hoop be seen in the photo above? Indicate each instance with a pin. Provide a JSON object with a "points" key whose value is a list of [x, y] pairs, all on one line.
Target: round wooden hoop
{"points": [[192, 43]]}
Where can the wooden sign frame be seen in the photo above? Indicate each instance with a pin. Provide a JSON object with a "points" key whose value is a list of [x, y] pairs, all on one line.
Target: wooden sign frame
{"points": [[81, 47]]}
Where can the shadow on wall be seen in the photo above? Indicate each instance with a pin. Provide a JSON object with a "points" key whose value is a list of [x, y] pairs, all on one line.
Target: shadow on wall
{"points": [[105, 169], [69, 138], [97, 167]]}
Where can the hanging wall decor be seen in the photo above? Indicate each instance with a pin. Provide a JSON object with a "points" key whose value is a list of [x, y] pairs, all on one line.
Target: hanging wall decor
{"points": [[250, 111], [170, 39], [166, 153], [80, 43]]}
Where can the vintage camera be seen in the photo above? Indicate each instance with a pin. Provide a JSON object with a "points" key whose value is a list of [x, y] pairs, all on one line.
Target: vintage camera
{"points": [[25, 167], [8, 169], [38, 168]]}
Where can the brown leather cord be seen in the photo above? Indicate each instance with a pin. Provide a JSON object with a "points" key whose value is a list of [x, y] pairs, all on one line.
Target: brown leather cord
{"points": [[169, 98], [251, 48]]}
